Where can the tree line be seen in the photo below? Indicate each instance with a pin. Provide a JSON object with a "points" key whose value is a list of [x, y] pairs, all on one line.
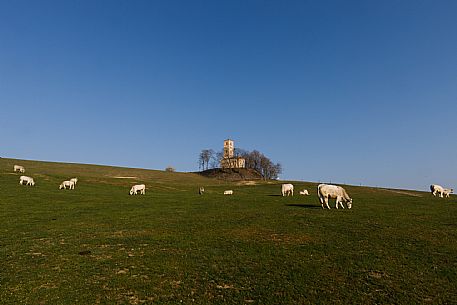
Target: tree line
{"points": [[209, 159]]}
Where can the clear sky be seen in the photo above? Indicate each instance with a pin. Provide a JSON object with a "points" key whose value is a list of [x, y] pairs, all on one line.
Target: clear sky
{"points": [[356, 92]]}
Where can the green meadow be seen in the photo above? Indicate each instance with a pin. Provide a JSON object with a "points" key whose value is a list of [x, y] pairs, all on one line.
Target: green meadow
{"points": [[98, 245]]}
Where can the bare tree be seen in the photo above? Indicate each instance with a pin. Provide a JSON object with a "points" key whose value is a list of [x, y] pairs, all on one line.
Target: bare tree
{"points": [[204, 158], [216, 158], [262, 164], [170, 169]]}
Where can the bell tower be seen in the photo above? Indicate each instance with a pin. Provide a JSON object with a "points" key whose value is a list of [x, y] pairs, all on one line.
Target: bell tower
{"points": [[228, 149], [229, 160]]}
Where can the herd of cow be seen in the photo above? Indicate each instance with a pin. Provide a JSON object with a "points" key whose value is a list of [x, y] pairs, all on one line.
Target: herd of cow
{"points": [[70, 184], [324, 191]]}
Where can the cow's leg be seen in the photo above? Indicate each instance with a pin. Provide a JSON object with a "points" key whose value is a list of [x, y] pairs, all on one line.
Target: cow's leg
{"points": [[340, 200], [326, 202]]}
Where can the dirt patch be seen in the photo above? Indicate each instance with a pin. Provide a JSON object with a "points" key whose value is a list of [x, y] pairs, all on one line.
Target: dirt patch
{"points": [[249, 182]]}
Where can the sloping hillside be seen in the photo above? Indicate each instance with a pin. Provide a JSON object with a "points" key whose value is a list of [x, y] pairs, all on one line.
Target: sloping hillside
{"points": [[55, 171], [98, 245]]}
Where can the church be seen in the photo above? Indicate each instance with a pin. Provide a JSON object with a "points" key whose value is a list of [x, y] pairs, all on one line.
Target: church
{"points": [[229, 160]]}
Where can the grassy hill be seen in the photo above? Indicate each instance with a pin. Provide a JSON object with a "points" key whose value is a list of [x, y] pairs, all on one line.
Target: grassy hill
{"points": [[98, 245]]}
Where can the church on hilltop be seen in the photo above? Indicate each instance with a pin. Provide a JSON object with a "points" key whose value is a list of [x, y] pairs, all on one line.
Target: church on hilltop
{"points": [[229, 160]]}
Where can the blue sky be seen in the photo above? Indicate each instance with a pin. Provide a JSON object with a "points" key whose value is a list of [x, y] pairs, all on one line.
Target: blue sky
{"points": [[357, 92]]}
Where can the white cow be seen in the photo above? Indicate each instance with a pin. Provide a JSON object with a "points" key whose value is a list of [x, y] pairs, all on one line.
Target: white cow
{"points": [[18, 168], [326, 191], [68, 183], [139, 187], [447, 192], [24, 180], [74, 180], [304, 192], [201, 190], [287, 189], [228, 192], [435, 188]]}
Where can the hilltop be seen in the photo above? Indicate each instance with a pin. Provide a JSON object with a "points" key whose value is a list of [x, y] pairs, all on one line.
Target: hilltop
{"points": [[232, 174]]}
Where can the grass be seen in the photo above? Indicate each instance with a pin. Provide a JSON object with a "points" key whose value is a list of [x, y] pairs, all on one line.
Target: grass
{"points": [[97, 244]]}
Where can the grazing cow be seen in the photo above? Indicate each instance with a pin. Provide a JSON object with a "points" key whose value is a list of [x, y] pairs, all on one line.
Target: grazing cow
{"points": [[447, 192], [228, 192], [68, 183], [139, 187], [24, 180], [287, 189], [326, 191], [304, 192], [201, 190], [18, 168], [74, 180], [435, 188]]}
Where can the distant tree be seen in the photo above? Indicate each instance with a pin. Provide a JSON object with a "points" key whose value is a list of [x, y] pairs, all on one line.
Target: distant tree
{"points": [[216, 158], [239, 152], [205, 157], [170, 169], [262, 164]]}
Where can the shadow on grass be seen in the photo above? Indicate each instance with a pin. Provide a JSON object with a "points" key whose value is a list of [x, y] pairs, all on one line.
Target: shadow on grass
{"points": [[306, 206], [275, 195]]}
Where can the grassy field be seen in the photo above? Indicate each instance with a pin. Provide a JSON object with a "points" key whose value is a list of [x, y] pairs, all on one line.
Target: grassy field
{"points": [[97, 244]]}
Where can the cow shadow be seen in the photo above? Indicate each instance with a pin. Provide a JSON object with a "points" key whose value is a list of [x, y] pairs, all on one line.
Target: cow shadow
{"points": [[274, 195], [304, 205]]}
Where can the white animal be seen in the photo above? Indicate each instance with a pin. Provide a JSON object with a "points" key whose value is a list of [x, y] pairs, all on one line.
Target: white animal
{"points": [[68, 183], [228, 192], [201, 190], [447, 192], [18, 168], [24, 180], [74, 180], [304, 192], [139, 187], [326, 191], [435, 188], [287, 189]]}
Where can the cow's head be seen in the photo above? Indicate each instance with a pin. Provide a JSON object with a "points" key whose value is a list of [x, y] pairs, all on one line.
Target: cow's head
{"points": [[131, 192], [349, 203]]}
